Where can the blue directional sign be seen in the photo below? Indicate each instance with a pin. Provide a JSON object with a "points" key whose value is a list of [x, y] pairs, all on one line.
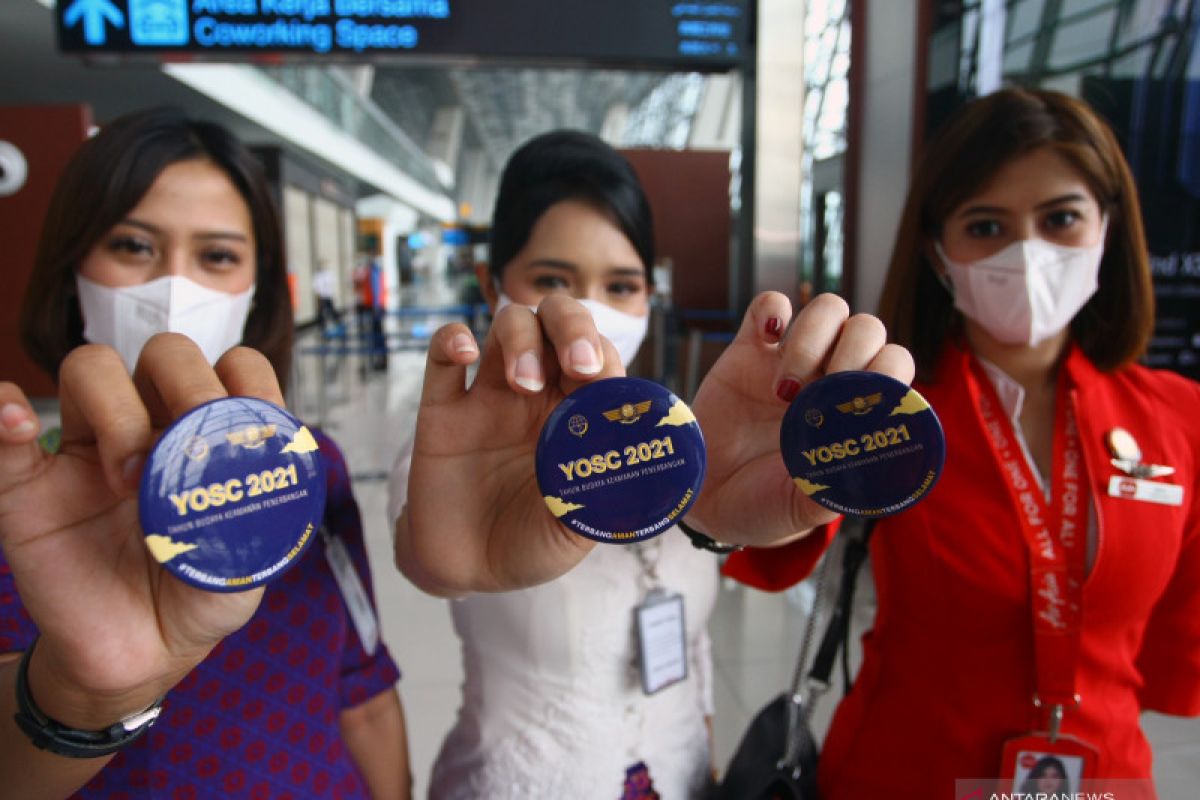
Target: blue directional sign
{"points": [[94, 17], [703, 35], [161, 23]]}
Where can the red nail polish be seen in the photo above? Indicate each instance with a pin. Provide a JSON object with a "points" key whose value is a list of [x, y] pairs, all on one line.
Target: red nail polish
{"points": [[788, 389], [774, 324]]}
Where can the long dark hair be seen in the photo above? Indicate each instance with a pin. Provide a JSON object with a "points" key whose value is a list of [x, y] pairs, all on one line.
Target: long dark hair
{"points": [[1114, 327], [567, 165], [106, 178]]}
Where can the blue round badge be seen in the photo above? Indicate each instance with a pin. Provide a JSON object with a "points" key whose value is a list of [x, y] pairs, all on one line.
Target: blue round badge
{"points": [[232, 494], [862, 444], [620, 459]]}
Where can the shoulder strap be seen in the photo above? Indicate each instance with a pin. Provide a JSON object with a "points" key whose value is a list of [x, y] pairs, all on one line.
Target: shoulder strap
{"points": [[806, 690], [837, 632]]}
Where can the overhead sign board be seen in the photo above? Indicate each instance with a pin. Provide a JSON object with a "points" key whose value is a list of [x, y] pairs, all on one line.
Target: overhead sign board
{"points": [[706, 35]]}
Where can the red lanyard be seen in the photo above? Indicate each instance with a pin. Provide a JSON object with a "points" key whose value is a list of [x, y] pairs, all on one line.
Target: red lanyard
{"points": [[1056, 536]]}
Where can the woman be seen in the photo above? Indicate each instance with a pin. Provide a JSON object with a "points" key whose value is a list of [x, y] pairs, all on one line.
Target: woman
{"points": [[160, 223], [552, 704], [1048, 777], [1048, 581]]}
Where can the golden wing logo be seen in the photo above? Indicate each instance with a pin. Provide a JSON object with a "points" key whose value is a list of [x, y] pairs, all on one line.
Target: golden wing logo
{"points": [[679, 414], [911, 403], [251, 437], [560, 507], [808, 487], [628, 413], [302, 442], [861, 405], [164, 548]]}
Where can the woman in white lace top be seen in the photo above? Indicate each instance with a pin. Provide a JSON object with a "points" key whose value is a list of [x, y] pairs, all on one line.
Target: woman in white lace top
{"points": [[553, 705]]}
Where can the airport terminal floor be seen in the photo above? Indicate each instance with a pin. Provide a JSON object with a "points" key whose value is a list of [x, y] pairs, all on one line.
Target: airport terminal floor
{"points": [[755, 635]]}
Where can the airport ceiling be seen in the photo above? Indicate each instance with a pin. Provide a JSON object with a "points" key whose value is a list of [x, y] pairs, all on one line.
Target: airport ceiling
{"points": [[504, 105]]}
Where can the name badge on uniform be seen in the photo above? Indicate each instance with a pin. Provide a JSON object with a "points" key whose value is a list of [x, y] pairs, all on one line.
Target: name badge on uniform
{"points": [[1167, 494], [353, 592], [662, 641], [1040, 766]]}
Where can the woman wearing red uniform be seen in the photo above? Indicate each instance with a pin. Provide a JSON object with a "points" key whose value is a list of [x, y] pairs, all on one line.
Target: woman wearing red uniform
{"points": [[1052, 571]]}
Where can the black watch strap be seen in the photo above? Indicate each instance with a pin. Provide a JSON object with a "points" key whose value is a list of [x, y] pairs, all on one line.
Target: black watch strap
{"points": [[50, 735], [702, 541]]}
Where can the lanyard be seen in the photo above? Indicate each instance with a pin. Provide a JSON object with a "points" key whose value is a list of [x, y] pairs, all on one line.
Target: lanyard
{"points": [[648, 580], [1055, 533]]}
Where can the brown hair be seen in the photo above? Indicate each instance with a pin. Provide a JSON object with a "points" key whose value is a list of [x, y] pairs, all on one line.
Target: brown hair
{"points": [[1114, 326], [108, 176]]}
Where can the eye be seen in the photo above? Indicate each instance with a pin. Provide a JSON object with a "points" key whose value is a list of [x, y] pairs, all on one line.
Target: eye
{"points": [[624, 288], [130, 245], [550, 283], [221, 258], [1062, 218], [983, 228]]}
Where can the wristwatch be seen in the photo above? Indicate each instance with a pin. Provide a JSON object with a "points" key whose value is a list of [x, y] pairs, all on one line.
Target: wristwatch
{"points": [[54, 737]]}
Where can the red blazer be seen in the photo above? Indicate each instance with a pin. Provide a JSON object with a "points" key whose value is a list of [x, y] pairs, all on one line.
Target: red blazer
{"points": [[948, 671]]}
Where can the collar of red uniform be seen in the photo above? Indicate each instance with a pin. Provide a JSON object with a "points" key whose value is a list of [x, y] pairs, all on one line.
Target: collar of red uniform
{"points": [[956, 357]]}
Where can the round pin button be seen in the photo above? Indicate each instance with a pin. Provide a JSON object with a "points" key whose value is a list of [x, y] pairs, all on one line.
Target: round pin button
{"points": [[232, 494], [862, 444], [620, 460]]}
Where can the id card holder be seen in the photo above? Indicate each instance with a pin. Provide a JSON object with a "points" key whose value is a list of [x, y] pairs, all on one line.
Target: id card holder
{"points": [[1034, 763], [662, 640], [353, 592]]}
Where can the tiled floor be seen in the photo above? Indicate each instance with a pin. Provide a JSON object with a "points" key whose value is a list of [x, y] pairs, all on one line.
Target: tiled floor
{"points": [[755, 635]]}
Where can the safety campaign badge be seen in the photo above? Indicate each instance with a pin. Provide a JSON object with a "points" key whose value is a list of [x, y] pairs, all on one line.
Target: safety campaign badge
{"points": [[620, 460], [862, 444], [232, 494]]}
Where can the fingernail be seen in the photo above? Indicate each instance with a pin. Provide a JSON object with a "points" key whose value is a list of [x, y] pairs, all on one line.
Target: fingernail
{"points": [[583, 357], [528, 372], [131, 470], [463, 344], [773, 327], [16, 419], [788, 389]]}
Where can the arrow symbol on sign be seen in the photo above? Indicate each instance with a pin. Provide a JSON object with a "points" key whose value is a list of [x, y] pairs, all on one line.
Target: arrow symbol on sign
{"points": [[93, 13]]}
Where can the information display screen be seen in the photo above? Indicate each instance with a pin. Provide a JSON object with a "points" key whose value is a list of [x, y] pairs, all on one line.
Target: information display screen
{"points": [[705, 35]]}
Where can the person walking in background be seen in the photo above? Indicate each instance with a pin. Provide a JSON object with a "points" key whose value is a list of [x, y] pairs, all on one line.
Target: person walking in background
{"points": [[324, 285], [370, 289]]}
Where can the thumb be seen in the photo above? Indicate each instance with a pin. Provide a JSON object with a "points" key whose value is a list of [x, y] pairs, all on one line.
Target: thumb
{"points": [[20, 454]]}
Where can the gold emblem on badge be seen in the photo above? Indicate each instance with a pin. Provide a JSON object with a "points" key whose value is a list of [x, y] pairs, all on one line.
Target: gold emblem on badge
{"points": [[196, 449], [251, 437], [578, 425], [861, 405], [628, 413]]}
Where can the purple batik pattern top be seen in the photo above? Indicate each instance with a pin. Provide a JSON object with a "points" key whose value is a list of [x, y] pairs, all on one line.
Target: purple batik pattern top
{"points": [[259, 717]]}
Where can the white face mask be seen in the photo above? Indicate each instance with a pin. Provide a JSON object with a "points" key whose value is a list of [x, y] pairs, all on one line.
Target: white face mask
{"points": [[125, 317], [625, 331], [1029, 291]]}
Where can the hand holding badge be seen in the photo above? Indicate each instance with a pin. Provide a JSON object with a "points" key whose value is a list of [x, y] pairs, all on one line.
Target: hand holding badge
{"points": [[751, 495], [71, 520], [476, 519]]}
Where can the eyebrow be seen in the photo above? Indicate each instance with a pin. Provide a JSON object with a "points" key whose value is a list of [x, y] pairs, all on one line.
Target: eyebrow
{"points": [[568, 266], [151, 228], [1073, 197]]}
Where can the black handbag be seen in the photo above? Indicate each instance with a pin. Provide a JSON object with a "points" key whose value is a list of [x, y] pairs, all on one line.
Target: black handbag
{"points": [[777, 756]]}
